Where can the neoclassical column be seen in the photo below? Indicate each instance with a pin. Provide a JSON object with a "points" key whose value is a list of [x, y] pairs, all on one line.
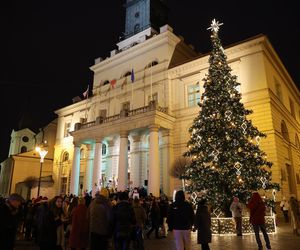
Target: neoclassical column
{"points": [[135, 173], [123, 162], [97, 166], [154, 166], [167, 161], [75, 169], [89, 167]]}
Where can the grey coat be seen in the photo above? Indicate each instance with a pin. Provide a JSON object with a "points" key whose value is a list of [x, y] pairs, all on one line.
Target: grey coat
{"points": [[100, 217]]}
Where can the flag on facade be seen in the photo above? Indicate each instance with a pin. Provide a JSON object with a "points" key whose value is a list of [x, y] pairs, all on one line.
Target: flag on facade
{"points": [[86, 93], [113, 83], [132, 76], [124, 82]]}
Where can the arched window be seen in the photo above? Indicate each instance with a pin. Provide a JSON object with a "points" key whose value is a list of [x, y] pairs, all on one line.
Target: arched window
{"points": [[23, 149], [65, 156], [128, 73], [284, 131], [128, 145], [297, 141], [104, 149], [105, 82], [82, 155]]}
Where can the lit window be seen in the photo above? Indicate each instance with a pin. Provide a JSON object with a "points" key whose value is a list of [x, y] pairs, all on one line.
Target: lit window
{"points": [[63, 188], [67, 129], [65, 157], [193, 95]]}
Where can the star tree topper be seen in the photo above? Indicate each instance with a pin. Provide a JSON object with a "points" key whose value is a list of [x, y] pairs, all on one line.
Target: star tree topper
{"points": [[215, 26]]}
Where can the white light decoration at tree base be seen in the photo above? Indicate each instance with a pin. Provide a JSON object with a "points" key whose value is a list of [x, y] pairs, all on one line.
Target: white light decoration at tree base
{"points": [[226, 226]]}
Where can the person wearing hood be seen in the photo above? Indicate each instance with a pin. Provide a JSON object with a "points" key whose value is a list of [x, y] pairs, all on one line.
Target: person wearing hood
{"points": [[180, 220], [99, 216], [257, 219]]}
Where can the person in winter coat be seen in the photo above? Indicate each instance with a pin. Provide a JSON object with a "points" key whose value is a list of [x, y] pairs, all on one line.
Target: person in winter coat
{"points": [[9, 220], [79, 227], [257, 219], [124, 222], [203, 225], [236, 210], [100, 219], [140, 216], [180, 220], [46, 226], [155, 219], [164, 207]]}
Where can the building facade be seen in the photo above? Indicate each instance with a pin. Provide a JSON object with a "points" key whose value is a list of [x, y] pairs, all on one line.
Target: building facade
{"points": [[20, 172], [135, 123]]}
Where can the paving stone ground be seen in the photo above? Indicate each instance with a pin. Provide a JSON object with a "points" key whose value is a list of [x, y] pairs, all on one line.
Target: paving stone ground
{"points": [[284, 239]]}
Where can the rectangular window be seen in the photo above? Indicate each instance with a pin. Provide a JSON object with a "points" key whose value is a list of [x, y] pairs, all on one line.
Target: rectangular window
{"points": [[126, 106], [292, 107], [154, 97], [80, 186], [63, 188], [193, 93], [67, 129], [278, 89]]}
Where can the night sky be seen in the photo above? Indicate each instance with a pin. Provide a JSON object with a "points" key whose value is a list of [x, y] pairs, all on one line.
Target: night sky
{"points": [[47, 47]]}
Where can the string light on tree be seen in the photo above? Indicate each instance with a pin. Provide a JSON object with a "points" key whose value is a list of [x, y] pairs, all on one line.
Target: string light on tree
{"points": [[224, 162]]}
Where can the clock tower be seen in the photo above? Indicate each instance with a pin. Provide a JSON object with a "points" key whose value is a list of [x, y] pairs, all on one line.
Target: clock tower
{"points": [[144, 14]]}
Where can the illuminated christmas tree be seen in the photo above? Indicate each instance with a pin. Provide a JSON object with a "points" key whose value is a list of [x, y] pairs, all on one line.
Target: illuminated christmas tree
{"points": [[226, 160]]}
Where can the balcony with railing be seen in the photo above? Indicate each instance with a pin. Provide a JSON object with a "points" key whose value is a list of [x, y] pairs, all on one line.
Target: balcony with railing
{"points": [[123, 114]]}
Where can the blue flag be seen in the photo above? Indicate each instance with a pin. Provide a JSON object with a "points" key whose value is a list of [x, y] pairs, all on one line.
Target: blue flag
{"points": [[132, 76]]}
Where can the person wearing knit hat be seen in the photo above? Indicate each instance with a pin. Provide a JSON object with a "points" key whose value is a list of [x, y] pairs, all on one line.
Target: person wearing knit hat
{"points": [[104, 192]]}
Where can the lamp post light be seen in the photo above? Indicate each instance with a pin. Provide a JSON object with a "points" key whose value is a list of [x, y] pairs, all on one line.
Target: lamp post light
{"points": [[42, 152]]}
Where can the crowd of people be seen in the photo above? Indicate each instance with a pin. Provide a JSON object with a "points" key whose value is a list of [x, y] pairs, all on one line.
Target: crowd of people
{"points": [[119, 220]]}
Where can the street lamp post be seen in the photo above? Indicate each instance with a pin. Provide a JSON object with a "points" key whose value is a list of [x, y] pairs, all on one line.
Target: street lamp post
{"points": [[42, 152]]}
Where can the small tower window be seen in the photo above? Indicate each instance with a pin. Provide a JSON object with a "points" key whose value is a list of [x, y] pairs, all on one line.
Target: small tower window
{"points": [[137, 14], [136, 28]]}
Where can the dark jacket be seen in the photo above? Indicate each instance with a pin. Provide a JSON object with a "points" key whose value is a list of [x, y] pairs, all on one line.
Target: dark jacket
{"points": [[180, 216], [124, 218], [9, 219], [46, 226], [203, 224]]}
